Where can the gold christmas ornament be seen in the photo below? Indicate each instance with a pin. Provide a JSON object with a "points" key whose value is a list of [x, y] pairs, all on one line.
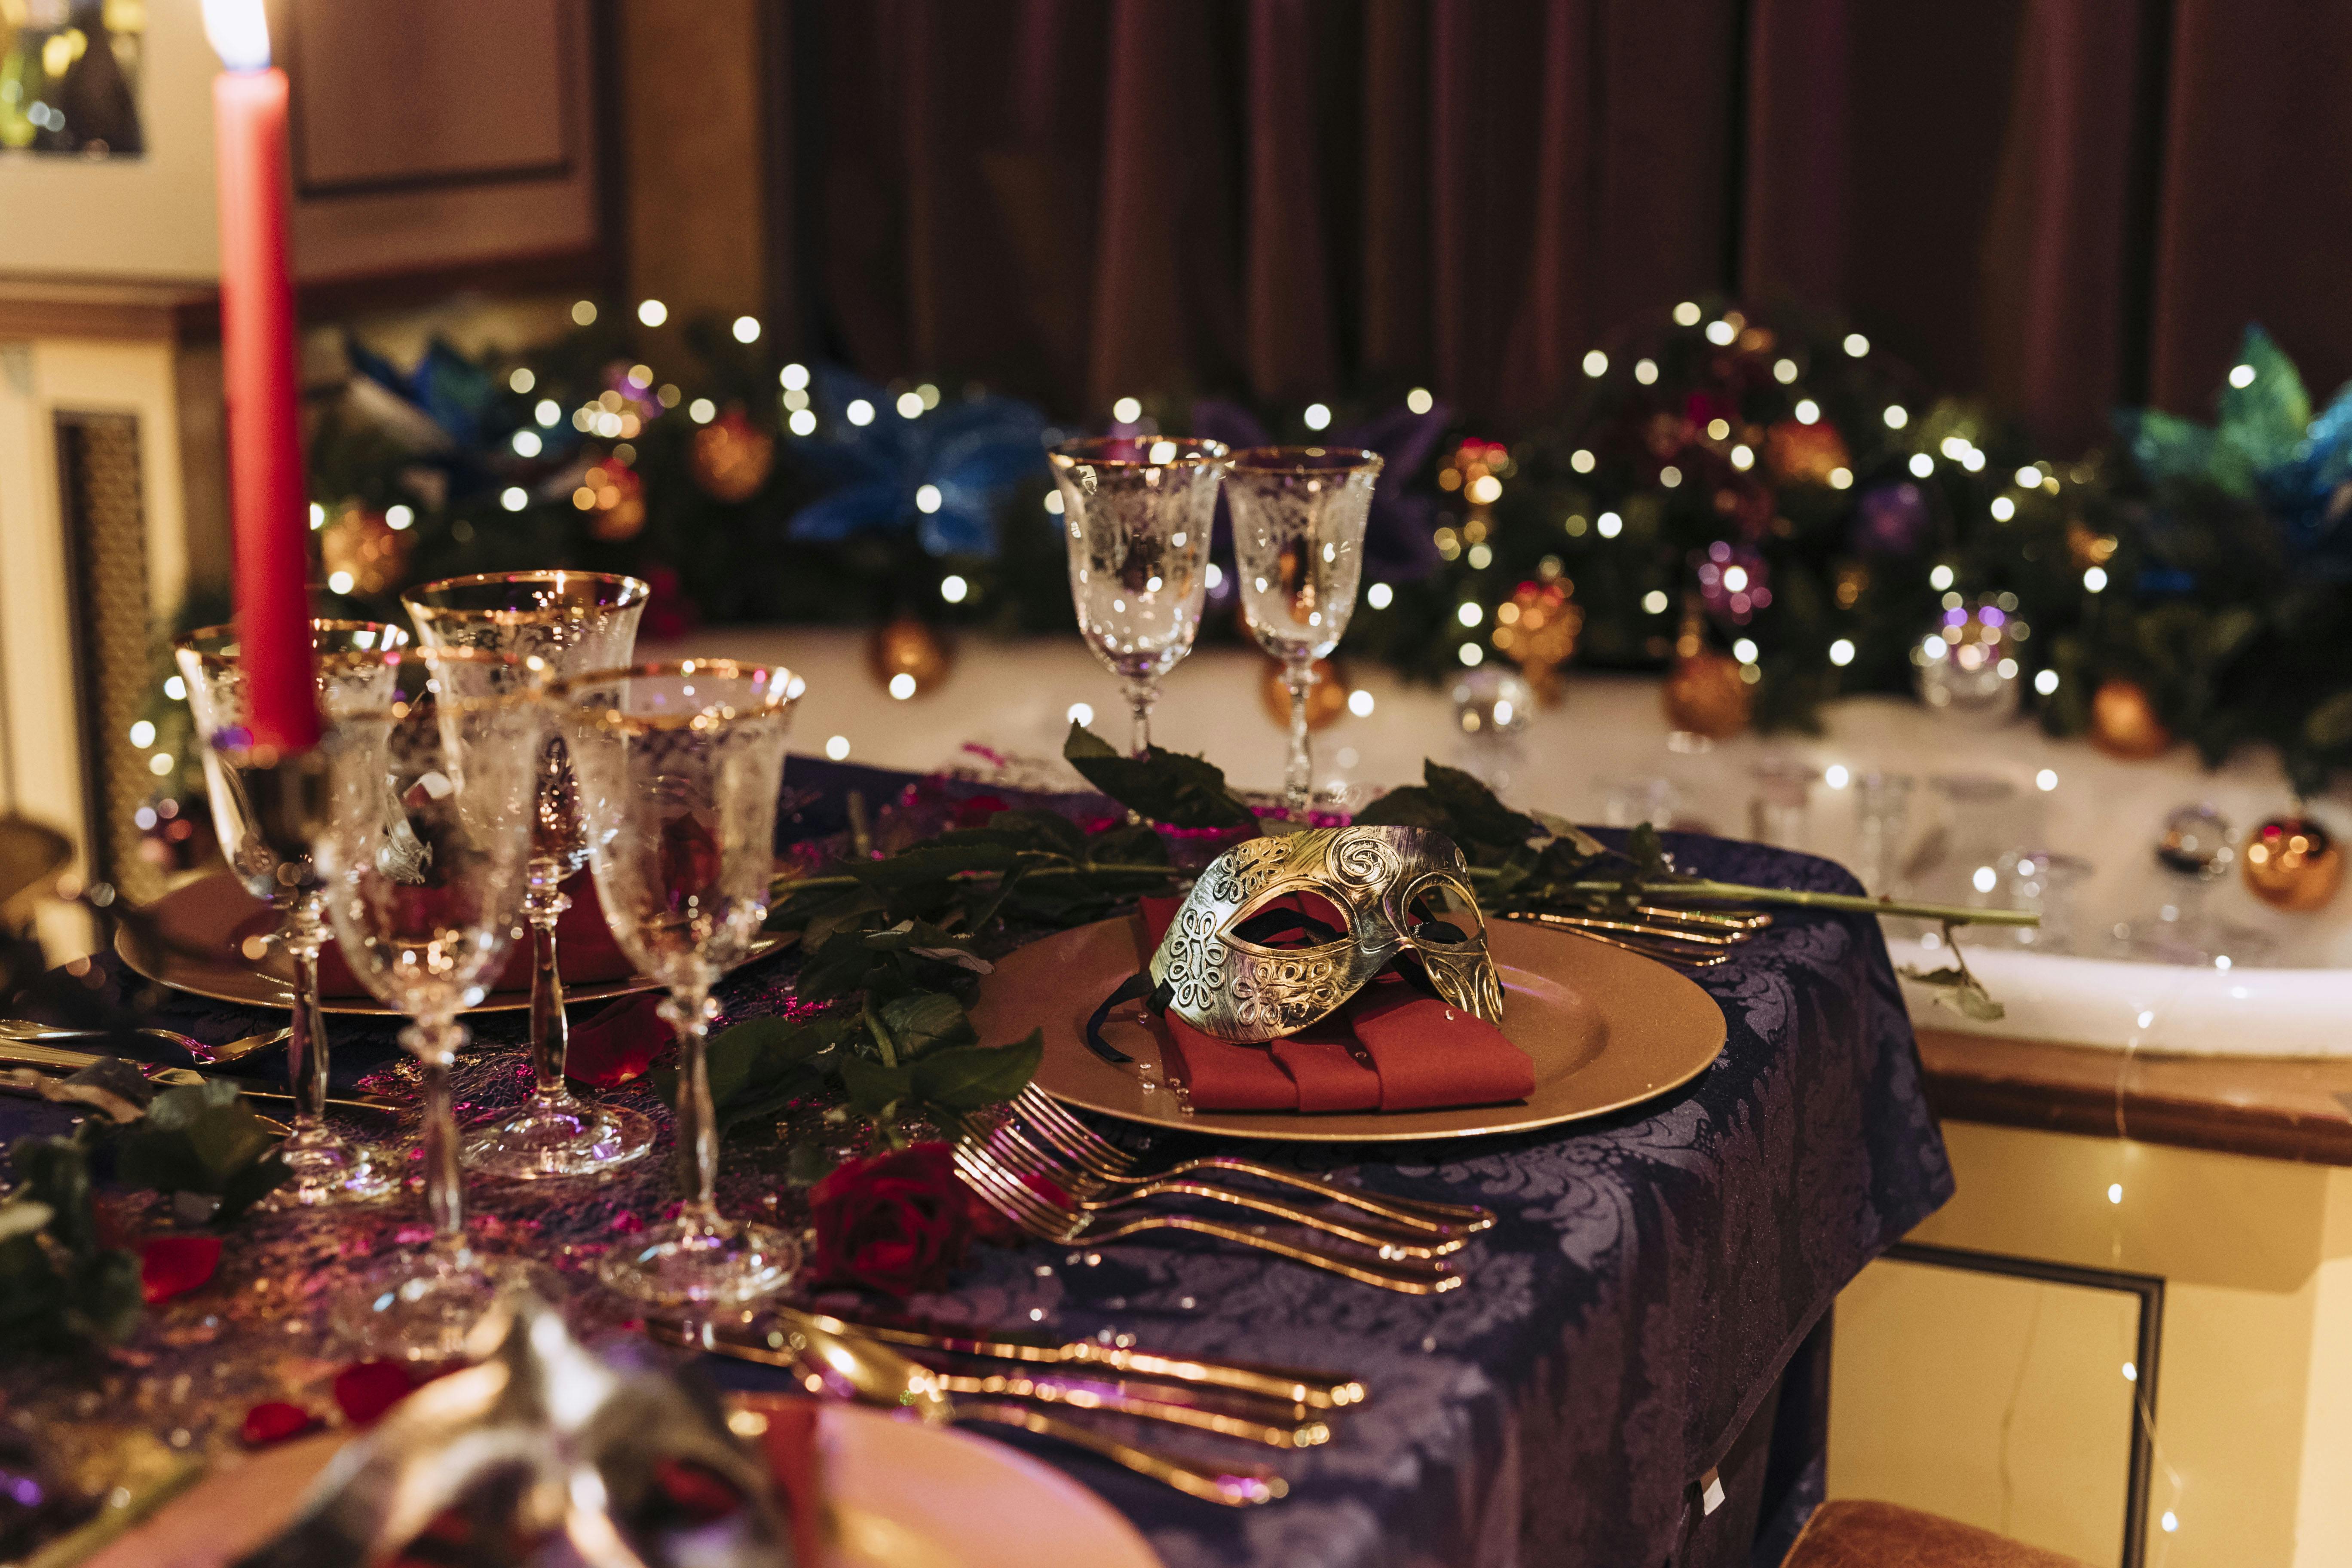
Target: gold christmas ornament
{"points": [[1537, 628], [909, 657], [2293, 863], [1804, 454], [1705, 693], [613, 496], [731, 458], [1326, 700], [2124, 723], [363, 553], [2086, 548]]}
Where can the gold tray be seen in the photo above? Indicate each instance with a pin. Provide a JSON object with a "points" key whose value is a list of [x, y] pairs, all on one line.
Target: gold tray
{"points": [[206, 914], [1606, 1028]]}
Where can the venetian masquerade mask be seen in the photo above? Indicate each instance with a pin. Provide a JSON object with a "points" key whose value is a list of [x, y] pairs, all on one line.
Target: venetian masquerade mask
{"points": [[1400, 891]]}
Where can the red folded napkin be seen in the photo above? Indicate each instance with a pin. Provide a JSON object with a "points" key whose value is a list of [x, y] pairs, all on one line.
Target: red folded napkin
{"points": [[791, 1441], [584, 946], [1393, 1046]]}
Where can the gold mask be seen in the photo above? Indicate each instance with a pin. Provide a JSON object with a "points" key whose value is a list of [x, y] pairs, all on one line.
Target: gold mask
{"points": [[1235, 988]]}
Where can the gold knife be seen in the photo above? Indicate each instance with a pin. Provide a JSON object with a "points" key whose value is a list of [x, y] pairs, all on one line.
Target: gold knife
{"points": [[57, 1058], [1290, 1385], [747, 1345]]}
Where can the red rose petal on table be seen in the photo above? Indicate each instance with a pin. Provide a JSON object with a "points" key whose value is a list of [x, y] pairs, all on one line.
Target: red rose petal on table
{"points": [[617, 1045], [173, 1266], [366, 1389], [274, 1421]]}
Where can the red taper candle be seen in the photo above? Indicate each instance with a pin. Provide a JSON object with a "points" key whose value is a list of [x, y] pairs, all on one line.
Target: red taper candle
{"points": [[265, 440]]}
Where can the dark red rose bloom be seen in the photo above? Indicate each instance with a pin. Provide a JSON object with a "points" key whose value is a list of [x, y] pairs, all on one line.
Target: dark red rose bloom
{"points": [[896, 1223], [691, 860], [173, 1266], [274, 1421]]}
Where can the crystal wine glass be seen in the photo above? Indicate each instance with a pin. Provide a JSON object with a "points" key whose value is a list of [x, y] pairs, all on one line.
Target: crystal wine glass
{"points": [[679, 767], [1298, 544], [355, 674], [570, 623], [1140, 511], [423, 845]]}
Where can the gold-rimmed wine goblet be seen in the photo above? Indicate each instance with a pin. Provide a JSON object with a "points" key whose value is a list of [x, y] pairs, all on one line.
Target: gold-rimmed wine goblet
{"points": [[356, 672], [571, 623], [1298, 546], [679, 768], [423, 845], [1138, 512]]}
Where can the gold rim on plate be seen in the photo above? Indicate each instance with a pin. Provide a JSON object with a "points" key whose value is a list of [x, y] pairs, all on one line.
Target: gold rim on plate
{"points": [[206, 915], [1606, 1028]]}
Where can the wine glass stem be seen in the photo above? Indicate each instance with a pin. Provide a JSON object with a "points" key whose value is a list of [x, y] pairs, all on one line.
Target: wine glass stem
{"points": [[549, 1032], [436, 1044], [1299, 784], [1141, 696], [697, 1118], [305, 1035]]}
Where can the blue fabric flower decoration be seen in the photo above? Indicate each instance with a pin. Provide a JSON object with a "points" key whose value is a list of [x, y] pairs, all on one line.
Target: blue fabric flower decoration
{"points": [[941, 473], [1400, 543], [2264, 447], [448, 388]]}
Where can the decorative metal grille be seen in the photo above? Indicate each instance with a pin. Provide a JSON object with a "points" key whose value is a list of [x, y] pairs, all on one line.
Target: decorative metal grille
{"points": [[104, 511]]}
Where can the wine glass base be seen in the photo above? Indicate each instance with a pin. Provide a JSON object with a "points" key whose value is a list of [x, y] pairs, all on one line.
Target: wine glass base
{"points": [[562, 1137], [325, 1169], [721, 1263], [419, 1304]]}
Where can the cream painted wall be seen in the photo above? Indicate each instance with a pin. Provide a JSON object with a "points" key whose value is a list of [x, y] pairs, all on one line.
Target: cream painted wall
{"points": [[2253, 1413], [42, 776]]}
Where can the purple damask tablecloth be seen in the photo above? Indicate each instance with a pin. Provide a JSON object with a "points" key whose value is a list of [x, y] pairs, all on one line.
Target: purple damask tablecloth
{"points": [[1649, 1315]]}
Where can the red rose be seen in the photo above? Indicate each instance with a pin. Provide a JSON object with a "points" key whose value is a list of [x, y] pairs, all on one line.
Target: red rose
{"points": [[173, 1266], [896, 1223]]}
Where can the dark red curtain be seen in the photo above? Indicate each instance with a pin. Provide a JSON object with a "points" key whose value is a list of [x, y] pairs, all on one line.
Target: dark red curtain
{"points": [[2057, 204]]}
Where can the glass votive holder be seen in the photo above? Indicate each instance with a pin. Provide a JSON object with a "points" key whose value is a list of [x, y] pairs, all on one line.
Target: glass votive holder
{"points": [[1631, 802], [1882, 818], [1967, 663], [1778, 812], [2048, 885]]}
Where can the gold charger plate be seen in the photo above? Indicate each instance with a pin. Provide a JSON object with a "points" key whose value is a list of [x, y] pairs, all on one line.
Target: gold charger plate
{"points": [[1606, 1028], [204, 915]]}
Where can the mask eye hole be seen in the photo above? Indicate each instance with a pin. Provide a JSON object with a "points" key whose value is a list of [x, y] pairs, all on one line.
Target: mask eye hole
{"points": [[1280, 919], [1441, 913]]}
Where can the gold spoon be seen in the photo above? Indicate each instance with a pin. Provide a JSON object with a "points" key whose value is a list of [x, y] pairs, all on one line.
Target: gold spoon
{"points": [[27, 1032], [864, 1373]]}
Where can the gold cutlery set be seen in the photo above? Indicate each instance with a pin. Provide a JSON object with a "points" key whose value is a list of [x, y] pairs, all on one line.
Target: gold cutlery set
{"points": [[1688, 939], [949, 1379], [1047, 1173]]}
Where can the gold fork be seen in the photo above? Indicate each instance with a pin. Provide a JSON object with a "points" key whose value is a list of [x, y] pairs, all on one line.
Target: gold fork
{"points": [[1023, 1156], [1046, 1215], [1090, 1150]]}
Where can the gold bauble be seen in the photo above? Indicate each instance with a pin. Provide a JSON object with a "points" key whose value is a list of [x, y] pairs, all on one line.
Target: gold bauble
{"points": [[1537, 627], [1705, 694], [360, 545], [1326, 700], [2124, 723], [613, 494], [731, 457], [1804, 454], [909, 648], [2293, 863]]}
